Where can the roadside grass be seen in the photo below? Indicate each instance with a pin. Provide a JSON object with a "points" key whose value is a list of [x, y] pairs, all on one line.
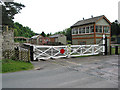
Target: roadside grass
{"points": [[113, 50], [9, 65]]}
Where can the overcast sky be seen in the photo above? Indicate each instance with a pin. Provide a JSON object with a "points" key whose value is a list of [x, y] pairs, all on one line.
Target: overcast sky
{"points": [[57, 15]]}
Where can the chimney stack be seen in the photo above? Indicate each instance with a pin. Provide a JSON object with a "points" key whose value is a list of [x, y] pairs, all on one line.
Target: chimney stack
{"points": [[91, 16]]}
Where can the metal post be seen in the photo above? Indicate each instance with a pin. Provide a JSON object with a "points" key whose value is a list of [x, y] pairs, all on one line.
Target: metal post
{"points": [[17, 53], [31, 53], [68, 50], [28, 55], [105, 45], [110, 50], [116, 50]]}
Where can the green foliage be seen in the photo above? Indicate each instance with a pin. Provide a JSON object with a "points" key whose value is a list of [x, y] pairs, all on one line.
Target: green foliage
{"points": [[113, 50], [67, 33], [115, 28], [43, 34], [9, 65], [20, 30], [9, 9], [49, 34]]}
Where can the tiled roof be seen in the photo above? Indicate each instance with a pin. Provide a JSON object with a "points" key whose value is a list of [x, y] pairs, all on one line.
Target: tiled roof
{"points": [[21, 37], [87, 21], [33, 37], [57, 35]]}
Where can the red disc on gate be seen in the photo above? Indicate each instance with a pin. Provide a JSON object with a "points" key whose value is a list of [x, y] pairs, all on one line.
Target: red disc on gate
{"points": [[62, 51]]}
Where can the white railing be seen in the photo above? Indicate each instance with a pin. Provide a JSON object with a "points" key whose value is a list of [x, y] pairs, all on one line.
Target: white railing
{"points": [[46, 52]]}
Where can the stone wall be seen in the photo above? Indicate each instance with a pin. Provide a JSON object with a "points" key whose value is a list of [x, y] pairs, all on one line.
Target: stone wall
{"points": [[0, 43], [7, 38]]}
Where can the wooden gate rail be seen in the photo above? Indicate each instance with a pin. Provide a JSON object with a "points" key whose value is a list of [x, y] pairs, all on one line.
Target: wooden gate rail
{"points": [[47, 52]]}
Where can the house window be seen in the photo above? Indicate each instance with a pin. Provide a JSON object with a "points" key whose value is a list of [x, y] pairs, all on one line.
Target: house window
{"points": [[76, 31], [79, 30], [106, 29], [73, 31], [91, 29], [96, 28], [83, 30], [87, 29], [99, 29]]}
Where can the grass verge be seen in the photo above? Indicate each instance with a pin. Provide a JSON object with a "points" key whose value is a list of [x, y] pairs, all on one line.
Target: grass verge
{"points": [[113, 50], [9, 65]]}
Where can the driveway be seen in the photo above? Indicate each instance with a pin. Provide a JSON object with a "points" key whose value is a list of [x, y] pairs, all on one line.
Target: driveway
{"points": [[81, 72]]}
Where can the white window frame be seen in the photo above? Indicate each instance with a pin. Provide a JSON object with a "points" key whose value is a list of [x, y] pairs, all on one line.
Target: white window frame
{"points": [[99, 29], [108, 29], [73, 31], [86, 29], [90, 28], [79, 30]]}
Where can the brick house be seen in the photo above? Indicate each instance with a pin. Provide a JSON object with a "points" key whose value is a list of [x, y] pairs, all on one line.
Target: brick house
{"points": [[39, 40], [22, 39], [58, 39], [90, 31]]}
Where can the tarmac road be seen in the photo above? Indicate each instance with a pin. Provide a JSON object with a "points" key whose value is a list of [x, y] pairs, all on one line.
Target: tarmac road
{"points": [[82, 72]]}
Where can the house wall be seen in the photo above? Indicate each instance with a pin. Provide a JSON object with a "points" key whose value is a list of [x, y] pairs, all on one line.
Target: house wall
{"points": [[102, 22], [45, 40], [33, 41], [85, 35], [89, 39], [52, 39], [92, 37], [62, 39], [76, 38], [77, 41]]}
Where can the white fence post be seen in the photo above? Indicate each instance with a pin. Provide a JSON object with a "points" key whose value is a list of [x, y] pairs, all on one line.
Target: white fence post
{"points": [[52, 52], [103, 44], [93, 49]]}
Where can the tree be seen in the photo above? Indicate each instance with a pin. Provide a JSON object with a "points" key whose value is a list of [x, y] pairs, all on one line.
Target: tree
{"points": [[20, 30], [49, 34], [9, 9], [67, 33], [115, 28], [43, 34]]}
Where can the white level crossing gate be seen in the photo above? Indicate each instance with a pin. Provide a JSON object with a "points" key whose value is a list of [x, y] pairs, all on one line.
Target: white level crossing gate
{"points": [[47, 52]]}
